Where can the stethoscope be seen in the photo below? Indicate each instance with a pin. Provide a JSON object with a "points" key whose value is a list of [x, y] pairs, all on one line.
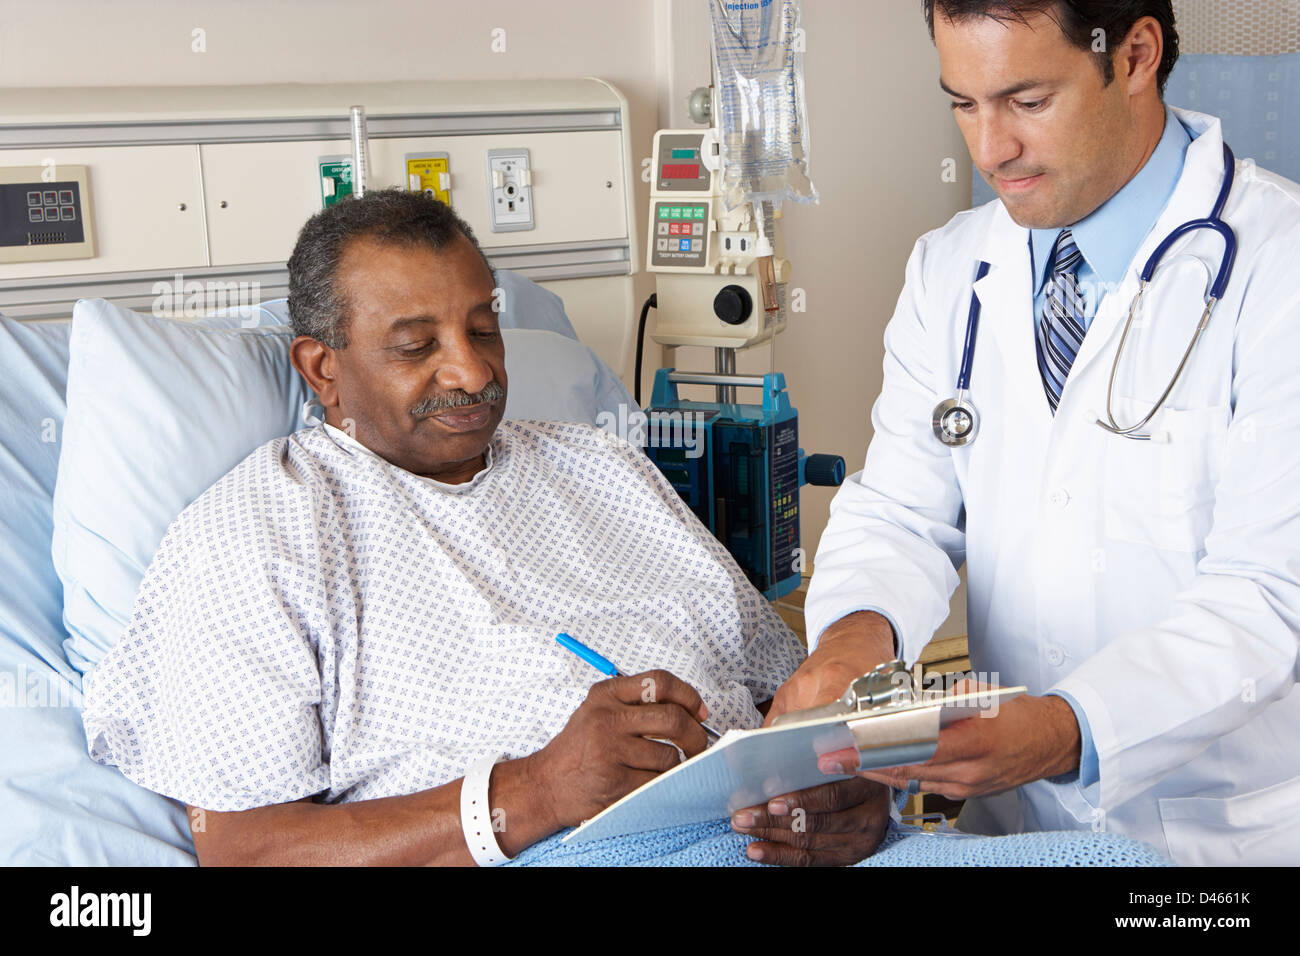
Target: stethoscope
{"points": [[956, 422]]}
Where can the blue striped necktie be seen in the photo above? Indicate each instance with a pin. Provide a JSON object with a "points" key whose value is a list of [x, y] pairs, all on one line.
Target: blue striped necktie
{"points": [[1060, 329]]}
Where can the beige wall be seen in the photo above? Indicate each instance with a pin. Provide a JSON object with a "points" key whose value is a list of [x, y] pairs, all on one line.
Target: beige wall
{"points": [[880, 129], [151, 42]]}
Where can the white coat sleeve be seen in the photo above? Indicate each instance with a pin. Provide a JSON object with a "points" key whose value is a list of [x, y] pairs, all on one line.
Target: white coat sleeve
{"points": [[1227, 648], [897, 528]]}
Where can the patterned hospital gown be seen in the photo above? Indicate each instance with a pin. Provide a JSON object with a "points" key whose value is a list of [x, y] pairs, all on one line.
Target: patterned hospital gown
{"points": [[320, 622]]}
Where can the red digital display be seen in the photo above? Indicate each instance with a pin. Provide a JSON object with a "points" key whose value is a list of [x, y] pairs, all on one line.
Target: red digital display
{"points": [[681, 171]]}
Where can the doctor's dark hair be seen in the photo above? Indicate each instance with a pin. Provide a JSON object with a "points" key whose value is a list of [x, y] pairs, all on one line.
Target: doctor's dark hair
{"points": [[317, 307], [1078, 19]]}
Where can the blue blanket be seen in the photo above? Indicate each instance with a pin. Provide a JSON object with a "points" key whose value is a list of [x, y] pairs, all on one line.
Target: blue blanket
{"points": [[716, 844]]}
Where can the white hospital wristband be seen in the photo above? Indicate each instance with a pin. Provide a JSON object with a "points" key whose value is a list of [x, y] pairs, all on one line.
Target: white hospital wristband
{"points": [[476, 814]]}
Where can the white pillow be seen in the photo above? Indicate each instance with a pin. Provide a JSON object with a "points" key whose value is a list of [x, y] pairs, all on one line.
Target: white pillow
{"points": [[157, 411]]}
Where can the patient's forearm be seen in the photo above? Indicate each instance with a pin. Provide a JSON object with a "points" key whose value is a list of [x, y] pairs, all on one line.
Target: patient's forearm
{"points": [[421, 828]]}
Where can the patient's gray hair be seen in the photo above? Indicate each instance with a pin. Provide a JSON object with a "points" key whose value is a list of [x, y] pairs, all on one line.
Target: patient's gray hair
{"points": [[316, 306]]}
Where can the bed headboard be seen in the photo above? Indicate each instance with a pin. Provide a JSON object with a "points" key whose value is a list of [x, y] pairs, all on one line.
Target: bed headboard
{"points": [[185, 199]]}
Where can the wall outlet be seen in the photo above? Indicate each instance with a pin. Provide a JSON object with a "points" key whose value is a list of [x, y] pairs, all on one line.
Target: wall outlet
{"points": [[510, 190]]}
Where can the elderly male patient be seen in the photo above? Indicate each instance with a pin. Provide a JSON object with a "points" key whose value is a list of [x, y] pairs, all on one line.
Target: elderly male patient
{"points": [[350, 638]]}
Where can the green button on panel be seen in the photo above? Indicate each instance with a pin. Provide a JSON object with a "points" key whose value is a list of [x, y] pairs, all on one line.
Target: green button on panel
{"points": [[664, 211]]}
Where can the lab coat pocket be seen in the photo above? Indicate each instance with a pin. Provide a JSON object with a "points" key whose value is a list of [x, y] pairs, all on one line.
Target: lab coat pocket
{"points": [[1160, 493], [1261, 828]]}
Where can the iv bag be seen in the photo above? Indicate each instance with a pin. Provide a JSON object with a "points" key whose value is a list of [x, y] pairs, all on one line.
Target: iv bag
{"points": [[762, 116]]}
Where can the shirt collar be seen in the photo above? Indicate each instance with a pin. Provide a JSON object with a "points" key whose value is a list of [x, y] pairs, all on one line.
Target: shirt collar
{"points": [[346, 441], [1109, 237]]}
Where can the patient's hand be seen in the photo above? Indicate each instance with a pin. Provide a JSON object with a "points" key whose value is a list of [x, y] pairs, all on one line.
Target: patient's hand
{"points": [[602, 753], [834, 824]]}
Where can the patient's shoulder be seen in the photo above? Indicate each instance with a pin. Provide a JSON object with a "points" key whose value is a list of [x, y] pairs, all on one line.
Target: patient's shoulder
{"points": [[278, 482]]}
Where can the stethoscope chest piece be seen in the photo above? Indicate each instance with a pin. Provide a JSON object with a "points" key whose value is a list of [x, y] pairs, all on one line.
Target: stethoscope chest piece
{"points": [[955, 422]]}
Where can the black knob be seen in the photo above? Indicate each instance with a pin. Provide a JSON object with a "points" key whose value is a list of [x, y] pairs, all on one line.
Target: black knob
{"points": [[733, 305], [824, 470]]}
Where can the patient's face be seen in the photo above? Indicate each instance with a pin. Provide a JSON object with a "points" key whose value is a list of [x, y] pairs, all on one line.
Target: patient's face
{"points": [[423, 377]]}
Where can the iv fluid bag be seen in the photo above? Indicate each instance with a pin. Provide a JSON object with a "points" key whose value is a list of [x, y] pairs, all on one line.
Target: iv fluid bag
{"points": [[763, 118]]}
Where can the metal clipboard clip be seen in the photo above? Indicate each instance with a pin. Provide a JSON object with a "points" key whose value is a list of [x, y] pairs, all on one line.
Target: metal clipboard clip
{"points": [[888, 722]]}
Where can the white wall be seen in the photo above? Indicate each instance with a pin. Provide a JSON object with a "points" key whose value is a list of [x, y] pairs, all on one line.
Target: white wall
{"points": [[880, 128]]}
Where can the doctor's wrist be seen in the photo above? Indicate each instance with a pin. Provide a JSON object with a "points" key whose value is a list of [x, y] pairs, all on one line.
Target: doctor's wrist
{"points": [[870, 630], [1066, 744]]}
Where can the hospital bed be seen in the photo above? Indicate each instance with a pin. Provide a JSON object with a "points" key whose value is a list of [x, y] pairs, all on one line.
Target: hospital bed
{"points": [[112, 421], [132, 416]]}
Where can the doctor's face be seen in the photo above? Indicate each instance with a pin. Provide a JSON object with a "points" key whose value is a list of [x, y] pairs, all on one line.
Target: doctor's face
{"points": [[423, 375], [1042, 127]]}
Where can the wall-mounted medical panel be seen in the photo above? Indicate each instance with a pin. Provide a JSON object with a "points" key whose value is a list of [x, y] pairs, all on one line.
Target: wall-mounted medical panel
{"points": [[144, 206], [45, 214], [216, 182], [258, 195], [577, 182]]}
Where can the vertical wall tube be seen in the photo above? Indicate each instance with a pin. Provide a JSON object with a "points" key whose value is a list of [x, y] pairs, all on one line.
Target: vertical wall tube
{"points": [[360, 152]]}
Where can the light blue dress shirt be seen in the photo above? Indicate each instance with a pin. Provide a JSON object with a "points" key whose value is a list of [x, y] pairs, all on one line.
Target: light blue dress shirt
{"points": [[1108, 239]]}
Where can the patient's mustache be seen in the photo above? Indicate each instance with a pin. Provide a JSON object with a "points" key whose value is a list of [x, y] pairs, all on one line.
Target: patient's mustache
{"points": [[491, 392]]}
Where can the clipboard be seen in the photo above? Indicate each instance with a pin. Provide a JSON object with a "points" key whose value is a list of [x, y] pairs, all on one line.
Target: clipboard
{"points": [[880, 716]]}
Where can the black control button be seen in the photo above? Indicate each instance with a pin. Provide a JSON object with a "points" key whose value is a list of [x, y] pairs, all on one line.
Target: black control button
{"points": [[733, 304]]}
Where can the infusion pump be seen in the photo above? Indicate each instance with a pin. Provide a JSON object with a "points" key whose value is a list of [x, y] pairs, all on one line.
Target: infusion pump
{"points": [[707, 258]]}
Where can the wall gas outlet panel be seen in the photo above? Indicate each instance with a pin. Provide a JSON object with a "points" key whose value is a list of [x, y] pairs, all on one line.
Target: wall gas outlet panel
{"points": [[45, 214], [429, 173], [510, 190], [335, 173]]}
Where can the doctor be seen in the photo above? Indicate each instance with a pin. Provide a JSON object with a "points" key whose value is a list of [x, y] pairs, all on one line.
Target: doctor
{"points": [[1146, 591]]}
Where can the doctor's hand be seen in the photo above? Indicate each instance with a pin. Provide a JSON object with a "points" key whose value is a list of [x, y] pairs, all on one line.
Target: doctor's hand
{"points": [[835, 824], [602, 753], [1029, 739], [848, 649]]}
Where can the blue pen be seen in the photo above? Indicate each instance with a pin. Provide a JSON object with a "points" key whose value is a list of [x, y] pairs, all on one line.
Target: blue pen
{"points": [[608, 669]]}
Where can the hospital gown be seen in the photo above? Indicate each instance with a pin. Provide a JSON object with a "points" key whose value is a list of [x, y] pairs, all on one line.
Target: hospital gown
{"points": [[322, 623]]}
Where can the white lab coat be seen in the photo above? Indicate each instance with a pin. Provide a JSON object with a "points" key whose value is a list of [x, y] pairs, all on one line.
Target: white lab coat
{"points": [[1156, 582]]}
